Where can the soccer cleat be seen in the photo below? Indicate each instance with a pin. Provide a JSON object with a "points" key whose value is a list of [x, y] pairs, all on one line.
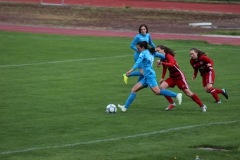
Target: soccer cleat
{"points": [[125, 78], [219, 102], [122, 108], [170, 106], [225, 93], [179, 98], [204, 108]]}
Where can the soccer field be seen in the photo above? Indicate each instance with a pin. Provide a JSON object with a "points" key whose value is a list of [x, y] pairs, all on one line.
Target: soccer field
{"points": [[55, 89]]}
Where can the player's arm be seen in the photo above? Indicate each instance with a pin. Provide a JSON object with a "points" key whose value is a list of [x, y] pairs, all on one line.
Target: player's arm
{"points": [[137, 64], [195, 74], [207, 60], [151, 42], [171, 62], [159, 55], [134, 43], [195, 70], [164, 71]]}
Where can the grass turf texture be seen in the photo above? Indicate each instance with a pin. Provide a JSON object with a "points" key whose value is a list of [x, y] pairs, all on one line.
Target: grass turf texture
{"points": [[54, 91], [232, 33]]}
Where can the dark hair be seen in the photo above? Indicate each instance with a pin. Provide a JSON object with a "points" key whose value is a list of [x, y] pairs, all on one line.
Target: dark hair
{"points": [[166, 50], [199, 53], [143, 44], [146, 46], [143, 25]]}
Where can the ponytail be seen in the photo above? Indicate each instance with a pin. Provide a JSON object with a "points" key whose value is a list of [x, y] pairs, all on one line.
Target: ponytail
{"points": [[167, 50]]}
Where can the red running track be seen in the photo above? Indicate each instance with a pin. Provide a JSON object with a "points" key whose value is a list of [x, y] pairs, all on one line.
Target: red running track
{"points": [[204, 7], [232, 40], [227, 8]]}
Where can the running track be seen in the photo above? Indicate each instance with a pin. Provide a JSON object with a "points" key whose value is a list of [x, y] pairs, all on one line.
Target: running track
{"points": [[226, 8]]}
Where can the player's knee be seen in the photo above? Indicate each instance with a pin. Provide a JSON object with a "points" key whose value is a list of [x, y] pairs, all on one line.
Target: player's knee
{"points": [[161, 87], [207, 90], [156, 93], [189, 94]]}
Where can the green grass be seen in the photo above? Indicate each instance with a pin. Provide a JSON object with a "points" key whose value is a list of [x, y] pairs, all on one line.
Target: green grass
{"points": [[232, 33], [54, 90]]}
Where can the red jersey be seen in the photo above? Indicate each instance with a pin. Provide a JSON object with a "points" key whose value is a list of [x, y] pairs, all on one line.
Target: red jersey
{"points": [[201, 65], [171, 64]]}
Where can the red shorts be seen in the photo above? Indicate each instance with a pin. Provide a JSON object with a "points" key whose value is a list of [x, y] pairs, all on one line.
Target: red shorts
{"points": [[208, 78], [181, 83]]}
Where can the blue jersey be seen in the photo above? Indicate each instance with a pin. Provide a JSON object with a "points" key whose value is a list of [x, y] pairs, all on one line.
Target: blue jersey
{"points": [[140, 38], [146, 59]]}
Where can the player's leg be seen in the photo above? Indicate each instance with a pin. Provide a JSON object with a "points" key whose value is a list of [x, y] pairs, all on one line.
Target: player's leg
{"points": [[210, 89], [208, 81], [195, 98], [135, 73], [132, 96], [141, 74], [152, 83], [165, 84]]}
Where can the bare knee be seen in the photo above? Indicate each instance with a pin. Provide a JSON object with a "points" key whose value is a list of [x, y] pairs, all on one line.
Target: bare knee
{"points": [[207, 89], [156, 93], [162, 87], [188, 93]]}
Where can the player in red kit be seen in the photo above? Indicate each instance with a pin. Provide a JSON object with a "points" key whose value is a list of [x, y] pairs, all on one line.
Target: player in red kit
{"points": [[176, 78], [202, 63]]}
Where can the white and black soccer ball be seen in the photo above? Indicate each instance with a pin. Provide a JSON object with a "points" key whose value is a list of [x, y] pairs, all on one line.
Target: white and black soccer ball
{"points": [[111, 108]]}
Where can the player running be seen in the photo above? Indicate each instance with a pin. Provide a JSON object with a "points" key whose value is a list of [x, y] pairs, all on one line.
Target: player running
{"points": [[142, 36], [176, 77], [202, 63], [146, 59]]}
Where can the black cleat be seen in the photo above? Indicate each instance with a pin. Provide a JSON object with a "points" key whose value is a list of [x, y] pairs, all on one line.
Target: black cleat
{"points": [[225, 93]]}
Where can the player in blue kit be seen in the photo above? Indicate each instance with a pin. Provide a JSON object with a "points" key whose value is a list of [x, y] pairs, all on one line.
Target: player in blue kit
{"points": [[146, 59], [142, 36]]}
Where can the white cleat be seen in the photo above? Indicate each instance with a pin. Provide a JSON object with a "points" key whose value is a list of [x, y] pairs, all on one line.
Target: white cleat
{"points": [[170, 106], [204, 108], [179, 98], [122, 108]]}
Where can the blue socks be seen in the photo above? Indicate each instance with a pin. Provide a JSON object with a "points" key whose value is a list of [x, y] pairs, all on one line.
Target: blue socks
{"points": [[136, 73], [130, 99], [166, 92], [140, 78]]}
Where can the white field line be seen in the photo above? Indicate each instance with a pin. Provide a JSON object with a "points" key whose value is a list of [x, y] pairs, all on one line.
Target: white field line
{"points": [[116, 139], [85, 40], [66, 39], [72, 60]]}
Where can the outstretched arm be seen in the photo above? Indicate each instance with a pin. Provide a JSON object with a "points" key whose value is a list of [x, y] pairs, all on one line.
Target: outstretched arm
{"points": [[161, 56]]}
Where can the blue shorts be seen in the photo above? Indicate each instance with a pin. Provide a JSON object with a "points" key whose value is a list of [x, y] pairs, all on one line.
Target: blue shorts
{"points": [[149, 81], [136, 55]]}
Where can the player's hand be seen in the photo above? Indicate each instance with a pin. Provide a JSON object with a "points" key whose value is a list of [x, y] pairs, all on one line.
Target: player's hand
{"points": [[193, 78], [161, 80], [129, 72], [159, 63], [209, 65]]}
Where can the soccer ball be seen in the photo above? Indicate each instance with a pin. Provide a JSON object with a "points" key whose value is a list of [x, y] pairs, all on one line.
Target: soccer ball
{"points": [[111, 108]]}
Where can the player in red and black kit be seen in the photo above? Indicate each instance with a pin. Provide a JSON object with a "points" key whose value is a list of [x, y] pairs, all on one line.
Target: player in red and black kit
{"points": [[176, 77], [202, 63]]}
